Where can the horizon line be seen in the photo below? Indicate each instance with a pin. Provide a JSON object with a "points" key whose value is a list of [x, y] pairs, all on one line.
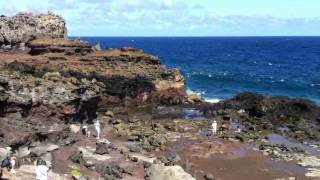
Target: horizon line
{"points": [[195, 36]]}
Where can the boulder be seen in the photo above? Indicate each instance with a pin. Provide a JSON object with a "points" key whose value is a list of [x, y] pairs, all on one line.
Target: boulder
{"points": [[22, 152], [241, 137], [89, 154], [159, 172], [102, 149], [158, 140], [43, 149], [135, 148], [113, 171], [133, 159], [77, 157], [16, 31], [74, 128]]}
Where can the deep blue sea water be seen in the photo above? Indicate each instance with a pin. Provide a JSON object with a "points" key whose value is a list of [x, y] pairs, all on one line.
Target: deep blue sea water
{"points": [[221, 67]]}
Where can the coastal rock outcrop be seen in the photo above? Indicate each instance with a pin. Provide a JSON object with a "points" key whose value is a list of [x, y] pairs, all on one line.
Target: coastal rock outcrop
{"points": [[128, 75], [59, 85], [19, 30], [296, 118], [276, 108]]}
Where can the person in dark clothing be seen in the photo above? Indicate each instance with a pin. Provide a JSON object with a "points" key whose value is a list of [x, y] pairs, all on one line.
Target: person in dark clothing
{"points": [[8, 163]]}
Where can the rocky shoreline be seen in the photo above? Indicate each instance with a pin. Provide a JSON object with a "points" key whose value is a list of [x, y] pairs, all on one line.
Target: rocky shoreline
{"points": [[151, 128]]}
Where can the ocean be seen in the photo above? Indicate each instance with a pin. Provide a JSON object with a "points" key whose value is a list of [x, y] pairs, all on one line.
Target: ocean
{"points": [[219, 68]]}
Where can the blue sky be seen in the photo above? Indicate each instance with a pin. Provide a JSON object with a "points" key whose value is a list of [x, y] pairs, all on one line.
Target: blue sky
{"points": [[179, 17]]}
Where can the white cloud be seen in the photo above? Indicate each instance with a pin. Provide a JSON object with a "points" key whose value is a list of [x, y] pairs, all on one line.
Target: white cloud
{"points": [[157, 17]]}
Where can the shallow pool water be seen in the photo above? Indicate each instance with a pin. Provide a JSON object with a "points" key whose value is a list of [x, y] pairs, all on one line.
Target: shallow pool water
{"points": [[278, 139]]}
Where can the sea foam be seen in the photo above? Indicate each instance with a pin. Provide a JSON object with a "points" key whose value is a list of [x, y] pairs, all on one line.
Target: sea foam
{"points": [[189, 92], [212, 100]]}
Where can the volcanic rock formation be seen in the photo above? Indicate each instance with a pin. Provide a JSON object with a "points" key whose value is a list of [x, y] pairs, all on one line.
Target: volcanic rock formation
{"points": [[62, 85], [19, 30]]}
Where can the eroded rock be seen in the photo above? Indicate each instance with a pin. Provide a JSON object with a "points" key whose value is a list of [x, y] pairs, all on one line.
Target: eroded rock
{"points": [[67, 47], [17, 31], [43, 149]]}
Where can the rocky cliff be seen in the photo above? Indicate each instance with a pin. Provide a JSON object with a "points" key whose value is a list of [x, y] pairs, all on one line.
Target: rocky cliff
{"points": [[17, 31], [65, 81]]}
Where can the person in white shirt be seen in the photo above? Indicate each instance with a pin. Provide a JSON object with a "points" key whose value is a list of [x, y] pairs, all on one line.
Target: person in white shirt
{"points": [[41, 170], [214, 127], [97, 126]]}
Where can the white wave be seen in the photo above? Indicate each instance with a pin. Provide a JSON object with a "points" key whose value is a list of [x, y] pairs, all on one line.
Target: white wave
{"points": [[189, 92], [212, 100]]}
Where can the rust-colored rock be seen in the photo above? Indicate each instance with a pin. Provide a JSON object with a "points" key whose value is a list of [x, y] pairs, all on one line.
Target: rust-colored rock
{"points": [[59, 45], [127, 74]]}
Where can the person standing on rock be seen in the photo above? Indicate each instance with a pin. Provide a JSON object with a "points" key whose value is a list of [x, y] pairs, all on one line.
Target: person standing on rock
{"points": [[238, 129], [214, 128], [97, 126], [85, 131]]}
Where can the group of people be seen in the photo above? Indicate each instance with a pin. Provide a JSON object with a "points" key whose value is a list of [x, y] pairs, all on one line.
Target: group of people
{"points": [[87, 132], [41, 169]]}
